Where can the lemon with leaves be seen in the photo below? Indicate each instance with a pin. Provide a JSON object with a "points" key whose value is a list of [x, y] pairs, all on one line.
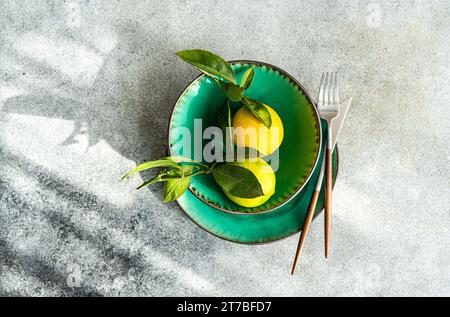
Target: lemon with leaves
{"points": [[251, 132], [249, 183]]}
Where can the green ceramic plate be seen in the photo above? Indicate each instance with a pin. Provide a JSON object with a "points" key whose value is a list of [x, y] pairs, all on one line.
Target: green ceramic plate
{"points": [[261, 227], [298, 154]]}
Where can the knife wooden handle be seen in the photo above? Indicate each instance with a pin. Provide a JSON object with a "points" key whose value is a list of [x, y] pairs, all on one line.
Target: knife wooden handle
{"points": [[328, 195], [305, 230]]}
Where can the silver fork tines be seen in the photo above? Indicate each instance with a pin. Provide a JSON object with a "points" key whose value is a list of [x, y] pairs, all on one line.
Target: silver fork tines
{"points": [[328, 93]]}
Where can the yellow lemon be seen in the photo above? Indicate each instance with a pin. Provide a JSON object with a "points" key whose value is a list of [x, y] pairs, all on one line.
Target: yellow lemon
{"points": [[251, 132], [266, 177]]}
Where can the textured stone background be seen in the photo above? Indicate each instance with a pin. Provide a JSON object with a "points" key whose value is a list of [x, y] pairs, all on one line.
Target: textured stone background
{"points": [[86, 88]]}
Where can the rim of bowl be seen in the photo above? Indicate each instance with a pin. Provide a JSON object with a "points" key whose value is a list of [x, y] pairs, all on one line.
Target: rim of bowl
{"points": [[318, 123]]}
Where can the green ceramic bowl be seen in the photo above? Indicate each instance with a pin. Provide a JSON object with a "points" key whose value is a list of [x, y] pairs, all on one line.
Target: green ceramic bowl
{"points": [[298, 154], [262, 227]]}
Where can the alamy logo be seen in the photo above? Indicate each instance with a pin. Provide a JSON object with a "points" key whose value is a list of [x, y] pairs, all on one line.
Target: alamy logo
{"points": [[215, 145]]}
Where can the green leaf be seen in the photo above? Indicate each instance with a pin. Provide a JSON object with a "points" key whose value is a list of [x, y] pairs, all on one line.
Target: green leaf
{"points": [[174, 188], [234, 92], [208, 63], [155, 179], [165, 162], [258, 110], [247, 78], [224, 120], [237, 181], [163, 176], [186, 170]]}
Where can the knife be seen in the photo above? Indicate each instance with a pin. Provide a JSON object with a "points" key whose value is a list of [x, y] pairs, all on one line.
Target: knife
{"points": [[337, 127]]}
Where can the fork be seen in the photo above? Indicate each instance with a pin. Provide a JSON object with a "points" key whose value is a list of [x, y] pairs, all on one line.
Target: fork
{"points": [[328, 106], [322, 105]]}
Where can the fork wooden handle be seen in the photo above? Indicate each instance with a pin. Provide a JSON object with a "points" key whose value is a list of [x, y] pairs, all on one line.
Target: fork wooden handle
{"points": [[305, 230], [328, 194]]}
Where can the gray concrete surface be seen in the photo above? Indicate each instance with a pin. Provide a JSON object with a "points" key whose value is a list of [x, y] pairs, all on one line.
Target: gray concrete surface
{"points": [[86, 88]]}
